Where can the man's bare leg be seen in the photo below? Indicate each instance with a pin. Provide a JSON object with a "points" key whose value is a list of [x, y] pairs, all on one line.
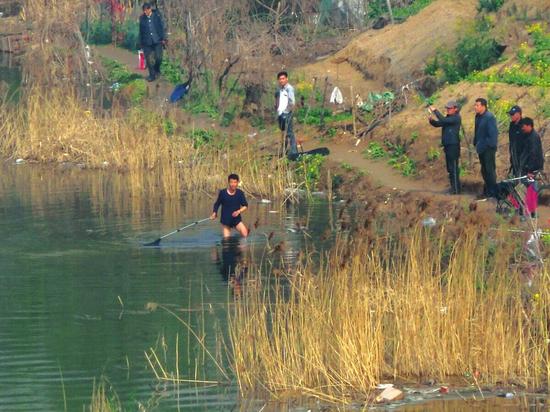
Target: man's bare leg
{"points": [[226, 231], [242, 229]]}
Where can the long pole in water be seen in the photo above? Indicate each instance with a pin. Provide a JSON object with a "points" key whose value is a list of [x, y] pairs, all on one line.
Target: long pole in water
{"points": [[157, 242]]}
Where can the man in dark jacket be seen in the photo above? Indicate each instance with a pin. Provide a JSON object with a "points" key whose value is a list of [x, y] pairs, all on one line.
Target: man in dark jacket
{"points": [[450, 140], [485, 141], [515, 136], [152, 39], [530, 161]]}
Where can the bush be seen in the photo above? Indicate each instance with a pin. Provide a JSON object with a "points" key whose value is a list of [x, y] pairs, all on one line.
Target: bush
{"points": [[130, 31], [475, 51], [490, 5], [172, 71], [374, 151], [98, 32]]}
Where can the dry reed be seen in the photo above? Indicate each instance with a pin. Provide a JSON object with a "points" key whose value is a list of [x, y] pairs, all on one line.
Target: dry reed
{"points": [[417, 308], [56, 126], [104, 399]]}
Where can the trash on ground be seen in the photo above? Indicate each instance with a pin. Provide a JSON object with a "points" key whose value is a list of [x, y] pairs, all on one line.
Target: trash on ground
{"points": [[429, 222], [265, 201], [273, 211], [390, 395], [444, 389], [507, 395], [384, 385], [19, 161]]}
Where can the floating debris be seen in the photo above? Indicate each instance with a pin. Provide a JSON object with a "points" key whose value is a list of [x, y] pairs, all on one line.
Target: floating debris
{"points": [[265, 201], [19, 161], [390, 395]]}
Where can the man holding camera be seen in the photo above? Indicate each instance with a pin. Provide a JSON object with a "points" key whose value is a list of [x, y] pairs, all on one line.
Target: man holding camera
{"points": [[450, 140]]}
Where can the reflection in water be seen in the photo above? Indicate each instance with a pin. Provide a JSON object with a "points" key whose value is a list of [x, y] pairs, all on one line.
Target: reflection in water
{"points": [[231, 261], [75, 285]]}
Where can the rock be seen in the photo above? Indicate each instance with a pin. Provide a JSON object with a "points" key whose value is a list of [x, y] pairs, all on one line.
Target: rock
{"points": [[390, 395]]}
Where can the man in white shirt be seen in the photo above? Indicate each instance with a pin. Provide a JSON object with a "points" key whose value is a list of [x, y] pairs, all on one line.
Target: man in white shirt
{"points": [[285, 102]]}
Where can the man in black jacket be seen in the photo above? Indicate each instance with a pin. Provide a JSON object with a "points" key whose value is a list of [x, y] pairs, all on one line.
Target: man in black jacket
{"points": [[152, 39], [531, 160], [486, 141], [515, 139], [450, 140]]}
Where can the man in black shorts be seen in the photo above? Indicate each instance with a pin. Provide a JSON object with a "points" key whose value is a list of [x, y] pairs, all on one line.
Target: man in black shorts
{"points": [[233, 203]]}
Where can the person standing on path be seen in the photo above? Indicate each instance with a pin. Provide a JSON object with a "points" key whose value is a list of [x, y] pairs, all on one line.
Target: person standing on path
{"points": [[152, 39], [531, 161], [285, 102], [486, 142], [450, 140], [515, 139], [233, 203]]}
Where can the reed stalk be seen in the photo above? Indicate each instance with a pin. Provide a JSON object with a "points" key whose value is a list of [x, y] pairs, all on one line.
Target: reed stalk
{"points": [[373, 309]]}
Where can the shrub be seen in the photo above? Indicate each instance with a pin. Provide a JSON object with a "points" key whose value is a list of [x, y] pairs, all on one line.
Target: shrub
{"points": [[433, 154], [309, 169], [374, 151], [97, 32], [490, 5], [130, 31], [475, 51], [172, 71]]}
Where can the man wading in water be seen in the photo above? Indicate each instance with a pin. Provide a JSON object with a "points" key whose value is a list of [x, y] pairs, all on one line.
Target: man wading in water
{"points": [[233, 203]]}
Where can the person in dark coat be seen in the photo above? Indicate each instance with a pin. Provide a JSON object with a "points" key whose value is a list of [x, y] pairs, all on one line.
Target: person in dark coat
{"points": [[152, 39], [450, 140], [233, 203], [515, 138], [486, 141], [531, 161]]}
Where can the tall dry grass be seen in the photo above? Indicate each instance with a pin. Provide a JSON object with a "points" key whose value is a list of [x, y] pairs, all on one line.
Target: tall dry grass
{"points": [[377, 310], [56, 126]]}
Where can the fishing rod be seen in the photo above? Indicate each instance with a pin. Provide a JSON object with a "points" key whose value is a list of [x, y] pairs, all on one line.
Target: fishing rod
{"points": [[157, 242]]}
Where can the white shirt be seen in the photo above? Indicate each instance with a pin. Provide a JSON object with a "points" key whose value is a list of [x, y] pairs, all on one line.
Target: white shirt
{"points": [[286, 99]]}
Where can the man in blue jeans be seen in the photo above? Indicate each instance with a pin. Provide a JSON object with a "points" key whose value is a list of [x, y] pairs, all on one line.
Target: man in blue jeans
{"points": [[285, 104], [486, 142]]}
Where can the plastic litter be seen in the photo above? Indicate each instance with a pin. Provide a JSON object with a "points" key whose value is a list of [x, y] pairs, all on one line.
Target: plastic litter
{"points": [[336, 96], [384, 385], [390, 395], [507, 395], [429, 222], [19, 161], [444, 389], [265, 201]]}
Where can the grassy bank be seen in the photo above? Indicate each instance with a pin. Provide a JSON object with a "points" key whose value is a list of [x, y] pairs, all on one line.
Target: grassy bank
{"points": [[57, 127], [414, 308]]}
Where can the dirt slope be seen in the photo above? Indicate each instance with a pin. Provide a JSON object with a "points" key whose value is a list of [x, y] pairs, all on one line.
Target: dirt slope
{"points": [[395, 54]]}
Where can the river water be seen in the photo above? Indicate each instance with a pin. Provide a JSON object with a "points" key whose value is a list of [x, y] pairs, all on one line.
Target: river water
{"points": [[77, 287]]}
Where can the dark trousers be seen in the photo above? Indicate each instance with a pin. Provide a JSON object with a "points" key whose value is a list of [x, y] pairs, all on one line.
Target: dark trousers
{"points": [[488, 171], [452, 156], [285, 124], [153, 57]]}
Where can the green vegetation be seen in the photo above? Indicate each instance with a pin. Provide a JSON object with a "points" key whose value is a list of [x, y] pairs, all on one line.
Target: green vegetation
{"points": [[172, 71], [378, 8], [415, 7], [202, 137], [490, 5], [97, 31], [397, 153], [476, 50], [433, 154], [533, 68], [375, 99], [128, 84], [346, 166], [318, 116], [308, 170], [374, 151]]}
